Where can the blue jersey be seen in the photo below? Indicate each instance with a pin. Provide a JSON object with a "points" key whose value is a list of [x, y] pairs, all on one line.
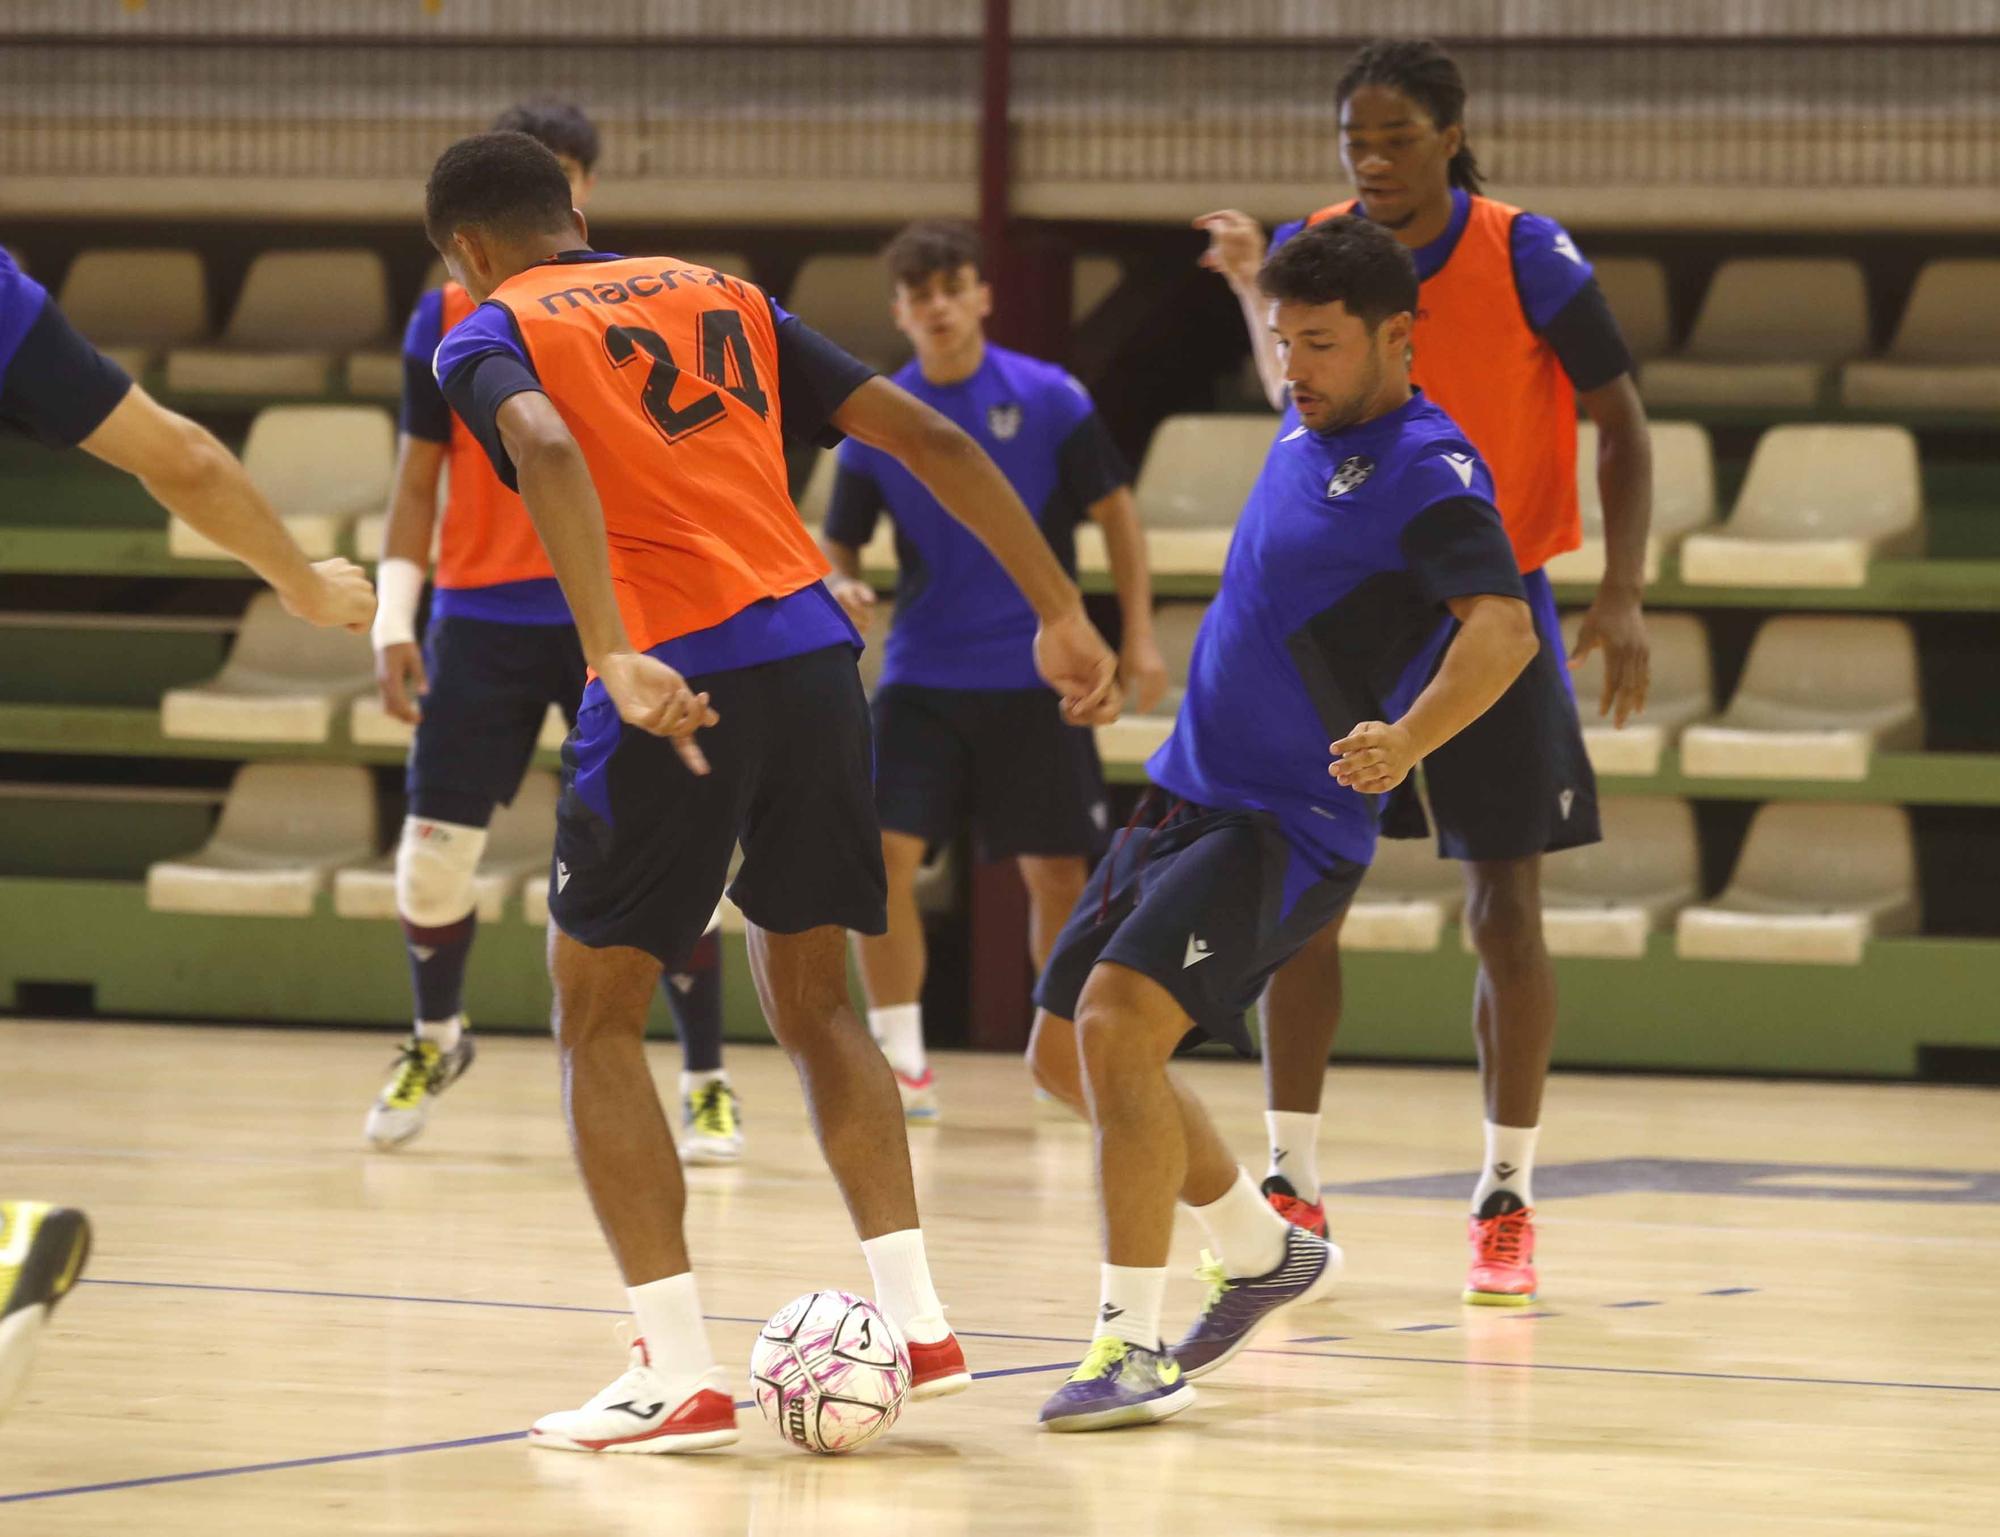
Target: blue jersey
{"points": [[960, 621], [21, 303], [1331, 612]]}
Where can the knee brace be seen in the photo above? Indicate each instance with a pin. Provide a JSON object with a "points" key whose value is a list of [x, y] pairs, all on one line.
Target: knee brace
{"points": [[435, 863]]}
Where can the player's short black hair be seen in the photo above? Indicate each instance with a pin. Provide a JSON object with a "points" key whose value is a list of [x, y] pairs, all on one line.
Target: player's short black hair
{"points": [[505, 182], [1419, 69], [1349, 261], [930, 246], [562, 125]]}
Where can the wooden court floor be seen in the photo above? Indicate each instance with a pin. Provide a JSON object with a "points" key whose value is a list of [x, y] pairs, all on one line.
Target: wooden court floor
{"points": [[1766, 1308]]}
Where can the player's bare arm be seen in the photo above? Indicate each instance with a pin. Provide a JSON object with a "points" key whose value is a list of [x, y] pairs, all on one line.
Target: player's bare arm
{"points": [[1625, 486], [1142, 672], [847, 584], [406, 553], [1236, 249], [186, 470], [1495, 641], [562, 503], [1069, 653]]}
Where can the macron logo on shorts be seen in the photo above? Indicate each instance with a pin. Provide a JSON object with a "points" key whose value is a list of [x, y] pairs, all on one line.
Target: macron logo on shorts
{"points": [[1197, 952], [562, 875]]}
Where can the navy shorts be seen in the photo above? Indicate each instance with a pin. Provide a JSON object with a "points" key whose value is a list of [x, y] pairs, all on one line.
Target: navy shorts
{"points": [[1207, 903], [1517, 781], [643, 844], [57, 388], [491, 684], [1002, 759]]}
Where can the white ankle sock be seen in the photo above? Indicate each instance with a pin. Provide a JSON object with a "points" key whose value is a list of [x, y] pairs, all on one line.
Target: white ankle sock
{"points": [[899, 1030], [1295, 1150], [1246, 1234], [444, 1032], [694, 1082], [1510, 1163], [669, 1317], [903, 1289], [1129, 1308]]}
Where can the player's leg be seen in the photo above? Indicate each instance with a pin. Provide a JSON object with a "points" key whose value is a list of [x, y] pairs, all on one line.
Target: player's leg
{"points": [[1513, 785], [811, 873], [1054, 883], [711, 1117], [921, 776], [42, 1252], [1301, 1013], [470, 750]]}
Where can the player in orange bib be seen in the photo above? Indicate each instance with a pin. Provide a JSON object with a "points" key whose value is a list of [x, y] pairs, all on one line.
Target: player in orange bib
{"points": [[498, 651], [1512, 335], [641, 407]]}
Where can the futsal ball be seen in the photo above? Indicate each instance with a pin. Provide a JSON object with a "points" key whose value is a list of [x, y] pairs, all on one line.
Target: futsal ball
{"points": [[831, 1372]]}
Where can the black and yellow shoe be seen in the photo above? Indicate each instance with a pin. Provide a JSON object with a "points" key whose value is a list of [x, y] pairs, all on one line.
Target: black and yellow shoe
{"points": [[711, 1124], [423, 1071], [42, 1250]]}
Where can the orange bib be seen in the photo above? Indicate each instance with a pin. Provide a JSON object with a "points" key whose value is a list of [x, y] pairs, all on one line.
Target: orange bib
{"points": [[1504, 386], [667, 376]]}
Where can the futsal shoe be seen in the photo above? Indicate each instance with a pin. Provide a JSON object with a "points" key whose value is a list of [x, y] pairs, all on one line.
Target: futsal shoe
{"points": [[938, 1370], [42, 1250], [423, 1072], [1238, 1305], [711, 1125], [643, 1412], [1503, 1253], [1119, 1384], [919, 1095], [1293, 1207]]}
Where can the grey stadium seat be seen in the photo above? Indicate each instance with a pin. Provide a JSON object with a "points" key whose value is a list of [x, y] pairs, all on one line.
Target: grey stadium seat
{"points": [[1768, 333], [299, 311], [1946, 353], [135, 304]]}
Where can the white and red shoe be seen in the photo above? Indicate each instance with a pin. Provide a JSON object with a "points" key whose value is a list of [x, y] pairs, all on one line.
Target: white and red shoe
{"points": [[919, 1095], [643, 1411], [938, 1370]]}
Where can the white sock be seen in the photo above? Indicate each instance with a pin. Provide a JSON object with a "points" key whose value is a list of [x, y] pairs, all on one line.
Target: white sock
{"points": [[669, 1316], [445, 1032], [1295, 1150], [1130, 1305], [1246, 1234], [692, 1083], [903, 1289], [899, 1030], [1510, 1163]]}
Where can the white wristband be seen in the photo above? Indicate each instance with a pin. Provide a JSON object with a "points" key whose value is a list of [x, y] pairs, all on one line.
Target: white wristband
{"points": [[399, 585]]}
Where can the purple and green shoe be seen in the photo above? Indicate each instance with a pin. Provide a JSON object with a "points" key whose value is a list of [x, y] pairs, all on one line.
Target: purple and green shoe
{"points": [[1238, 1305], [1118, 1384]]}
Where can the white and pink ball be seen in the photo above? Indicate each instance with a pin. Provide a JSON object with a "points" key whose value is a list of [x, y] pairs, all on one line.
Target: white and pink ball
{"points": [[830, 1371]]}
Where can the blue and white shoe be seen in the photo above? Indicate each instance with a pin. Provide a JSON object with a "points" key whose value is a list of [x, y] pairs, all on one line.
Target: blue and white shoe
{"points": [[1118, 1384], [1236, 1306]]}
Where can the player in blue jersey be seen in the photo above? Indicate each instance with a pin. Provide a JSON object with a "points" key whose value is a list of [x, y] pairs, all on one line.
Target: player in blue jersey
{"points": [[1371, 602], [58, 389], [964, 728], [500, 648]]}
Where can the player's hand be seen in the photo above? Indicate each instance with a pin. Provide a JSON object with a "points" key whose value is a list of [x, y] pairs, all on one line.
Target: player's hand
{"points": [[1616, 626], [1074, 661], [1235, 245], [652, 696], [338, 594], [400, 679], [1373, 758], [856, 597], [1142, 673]]}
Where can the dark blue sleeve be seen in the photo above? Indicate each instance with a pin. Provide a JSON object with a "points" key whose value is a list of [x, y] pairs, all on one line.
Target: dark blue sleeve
{"points": [[425, 414], [1548, 268], [477, 388], [857, 500], [56, 387], [1089, 463], [815, 377], [1281, 234]]}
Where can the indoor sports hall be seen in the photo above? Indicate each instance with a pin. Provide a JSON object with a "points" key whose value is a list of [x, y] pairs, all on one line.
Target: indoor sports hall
{"points": [[1765, 1207]]}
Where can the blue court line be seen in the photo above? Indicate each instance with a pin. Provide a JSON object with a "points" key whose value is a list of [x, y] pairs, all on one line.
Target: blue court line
{"points": [[483, 1302], [1730, 1291], [1317, 1339], [385, 1451], [1422, 1328], [1640, 1303], [1641, 1371]]}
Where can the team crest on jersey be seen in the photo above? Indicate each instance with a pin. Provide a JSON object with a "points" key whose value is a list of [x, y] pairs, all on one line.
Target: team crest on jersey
{"points": [[1350, 475], [1003, 421]]}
